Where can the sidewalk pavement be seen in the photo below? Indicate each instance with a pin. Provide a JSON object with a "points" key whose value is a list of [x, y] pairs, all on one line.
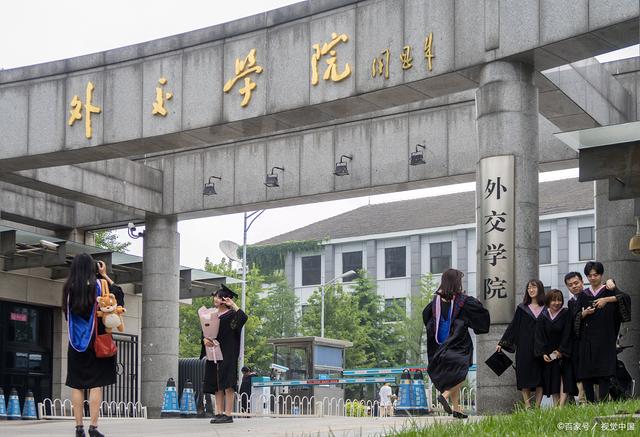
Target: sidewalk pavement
{"points": [[257, 426]]}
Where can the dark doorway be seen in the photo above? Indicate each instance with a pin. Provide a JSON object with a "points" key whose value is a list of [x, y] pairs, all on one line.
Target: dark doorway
{"points": [[26, 343]]}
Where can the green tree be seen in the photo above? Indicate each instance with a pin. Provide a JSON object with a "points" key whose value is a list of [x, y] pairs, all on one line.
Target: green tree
{"points": [[109, 240], [279, 309], [411, 331]]}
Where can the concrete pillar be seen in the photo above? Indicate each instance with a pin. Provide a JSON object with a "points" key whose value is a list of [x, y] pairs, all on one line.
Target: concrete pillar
{"points": [[290, 269], [462, 259], [507, 123], [416, 264], [160, 292], [615, 225], [562, 231], [372, 260], [330, 263]]}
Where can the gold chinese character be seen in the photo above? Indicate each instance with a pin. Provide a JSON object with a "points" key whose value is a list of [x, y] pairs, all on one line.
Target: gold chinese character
{"points": [[332, 70], [405, 57], [76, 110], [158, 105], [428, 50], [380, 64], [244, 68]]}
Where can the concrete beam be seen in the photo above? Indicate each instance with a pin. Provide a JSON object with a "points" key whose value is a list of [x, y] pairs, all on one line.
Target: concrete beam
{"points": [[380, 146], [585, 95], [32, 208], [202, 114], [118, 184]]}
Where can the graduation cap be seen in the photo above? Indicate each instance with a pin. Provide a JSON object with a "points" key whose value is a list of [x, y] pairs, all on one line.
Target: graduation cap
{"points": [[225, 291], [498, 362]]}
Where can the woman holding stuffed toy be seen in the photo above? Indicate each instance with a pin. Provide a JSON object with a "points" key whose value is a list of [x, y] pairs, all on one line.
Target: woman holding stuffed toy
{"points": [[85, 371], [221, 376]]}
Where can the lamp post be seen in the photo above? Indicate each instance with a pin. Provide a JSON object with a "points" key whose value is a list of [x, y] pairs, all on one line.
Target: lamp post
{"points": [[346, 276], [249, 218]]}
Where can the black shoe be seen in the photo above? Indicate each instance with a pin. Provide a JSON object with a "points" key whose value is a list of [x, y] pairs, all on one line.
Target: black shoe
{"points": [[216, 417], [459, 415], [224, 419], [80, 431], [93, 432], [445, 404]]}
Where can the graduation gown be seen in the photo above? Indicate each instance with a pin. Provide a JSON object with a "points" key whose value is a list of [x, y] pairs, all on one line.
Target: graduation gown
{"points": [[570, 350], [552, 335], [224, 374], [520, 337], [449, 361], [597, 333]]}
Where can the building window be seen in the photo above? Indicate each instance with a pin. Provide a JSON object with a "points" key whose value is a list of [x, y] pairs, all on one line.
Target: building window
{"points": [[545, 247], [586, 241], [440, 256], [351, 261], [303, 310], [395, 262], [311, 270], [396, 308]]}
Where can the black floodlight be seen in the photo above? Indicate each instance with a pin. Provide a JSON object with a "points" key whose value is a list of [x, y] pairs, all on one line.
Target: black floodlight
{"points": [[133, 232], [341, 166], [417, 157], [272, 179], [210, 187]]}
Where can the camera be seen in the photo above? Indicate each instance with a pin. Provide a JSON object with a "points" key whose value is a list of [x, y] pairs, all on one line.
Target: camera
{"points": [[634, 244]]}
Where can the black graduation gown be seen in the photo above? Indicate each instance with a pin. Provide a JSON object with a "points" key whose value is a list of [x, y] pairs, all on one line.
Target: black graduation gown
{"points": [[224, 374], [597, 333], [552, 335], [449, 362], [520, 336], [570, 350], [84, 369]]}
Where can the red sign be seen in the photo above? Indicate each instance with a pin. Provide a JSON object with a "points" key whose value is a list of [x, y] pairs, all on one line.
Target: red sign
{"points": [[18, 317]]}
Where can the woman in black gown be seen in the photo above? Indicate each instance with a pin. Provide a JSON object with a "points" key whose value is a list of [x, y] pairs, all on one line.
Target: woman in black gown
{"points": [[553, 329], [221, 378], [449, 347], [84, 369], [519, 337]]}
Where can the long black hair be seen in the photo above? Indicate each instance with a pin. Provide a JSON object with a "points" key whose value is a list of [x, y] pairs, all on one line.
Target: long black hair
{"points": [[80, 286], [539, 297], [450, 284]]}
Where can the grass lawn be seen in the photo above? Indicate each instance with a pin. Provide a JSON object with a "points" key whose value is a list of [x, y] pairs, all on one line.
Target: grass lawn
{"points": [[571, 420]]}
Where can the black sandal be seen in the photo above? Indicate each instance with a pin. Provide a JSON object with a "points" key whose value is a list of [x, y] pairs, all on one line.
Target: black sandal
{"points": [[445, 404], [459, 415]]}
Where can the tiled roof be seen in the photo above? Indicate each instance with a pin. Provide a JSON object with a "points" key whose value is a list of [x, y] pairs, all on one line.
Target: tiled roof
{"points": [[565, 195]]}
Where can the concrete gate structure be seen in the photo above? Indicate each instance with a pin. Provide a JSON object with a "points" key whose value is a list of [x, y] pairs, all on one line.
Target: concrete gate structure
{"points": [[133, 134]]}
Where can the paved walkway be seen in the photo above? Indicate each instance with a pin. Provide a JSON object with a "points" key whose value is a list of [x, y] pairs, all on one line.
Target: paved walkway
{"points": [[263, 427]]}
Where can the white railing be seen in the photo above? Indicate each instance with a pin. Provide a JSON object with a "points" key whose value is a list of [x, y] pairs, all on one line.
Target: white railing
{"points": [[63, 409], [286, 405]]}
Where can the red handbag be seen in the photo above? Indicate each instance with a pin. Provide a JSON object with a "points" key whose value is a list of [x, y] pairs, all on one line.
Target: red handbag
{"points": [[103, 344]]}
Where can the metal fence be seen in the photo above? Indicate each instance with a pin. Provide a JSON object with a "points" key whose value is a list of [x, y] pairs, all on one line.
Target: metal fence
{"points": [[63, 409], [125, 390]]}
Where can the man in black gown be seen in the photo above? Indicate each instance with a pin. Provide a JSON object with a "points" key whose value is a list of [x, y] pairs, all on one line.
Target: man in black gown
{"points": [[597, 324]]}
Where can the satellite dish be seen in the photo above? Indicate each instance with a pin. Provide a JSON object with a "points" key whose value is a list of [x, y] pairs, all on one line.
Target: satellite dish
{"points": [[230, 249]]}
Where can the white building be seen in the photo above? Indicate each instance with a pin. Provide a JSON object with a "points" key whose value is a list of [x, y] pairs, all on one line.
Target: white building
{"points": [[398, 242]]}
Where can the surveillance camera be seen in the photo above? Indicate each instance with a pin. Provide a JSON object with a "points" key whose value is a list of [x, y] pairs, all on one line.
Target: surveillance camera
{"points": [[634, 244], [48, 245], [130, 225]]}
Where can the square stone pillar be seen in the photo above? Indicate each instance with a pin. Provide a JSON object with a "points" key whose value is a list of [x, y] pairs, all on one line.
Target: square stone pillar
{"points": [[160, 309], [507, 123]]}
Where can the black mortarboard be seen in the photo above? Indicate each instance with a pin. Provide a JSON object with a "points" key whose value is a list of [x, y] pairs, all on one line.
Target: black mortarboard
{"points": [[498, 362], [225, 291]]}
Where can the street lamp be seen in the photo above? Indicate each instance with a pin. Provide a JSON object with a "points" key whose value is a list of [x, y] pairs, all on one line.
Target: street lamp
{"points": [[346, 277], [249, 218]]}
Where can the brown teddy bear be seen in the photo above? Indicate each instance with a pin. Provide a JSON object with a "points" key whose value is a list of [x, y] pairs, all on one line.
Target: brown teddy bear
{"points": [[110, 311]]}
